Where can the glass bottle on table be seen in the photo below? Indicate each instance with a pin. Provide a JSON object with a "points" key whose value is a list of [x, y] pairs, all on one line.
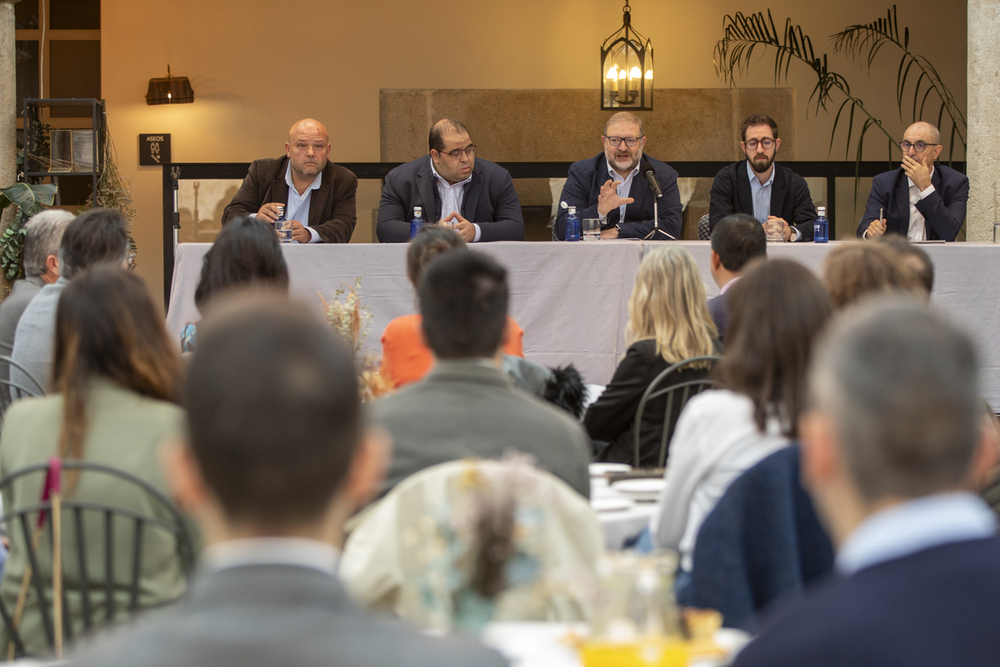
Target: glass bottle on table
{"points": [[572, 225], [821, 227]]}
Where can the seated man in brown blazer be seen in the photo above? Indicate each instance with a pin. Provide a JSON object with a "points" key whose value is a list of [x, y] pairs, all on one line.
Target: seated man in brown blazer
{"points": [[319, 196]]}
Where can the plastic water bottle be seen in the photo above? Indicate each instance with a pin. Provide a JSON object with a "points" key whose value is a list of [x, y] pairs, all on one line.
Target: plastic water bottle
{"points": [[417, 222], [572, 225], [821, 227]]}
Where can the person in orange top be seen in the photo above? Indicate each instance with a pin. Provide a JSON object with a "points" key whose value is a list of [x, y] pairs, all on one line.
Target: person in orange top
{"points": [[405, 356]]}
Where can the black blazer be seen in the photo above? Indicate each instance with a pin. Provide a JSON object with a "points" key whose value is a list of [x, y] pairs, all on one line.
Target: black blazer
{"points": [[790, 198], [490, 201], [611, 417], [943, 209], [332, 208], [583, 185]]}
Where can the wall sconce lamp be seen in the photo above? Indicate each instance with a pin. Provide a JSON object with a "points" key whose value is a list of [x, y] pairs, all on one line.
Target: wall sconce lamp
{"points": [[171, 90], [627, 69]]}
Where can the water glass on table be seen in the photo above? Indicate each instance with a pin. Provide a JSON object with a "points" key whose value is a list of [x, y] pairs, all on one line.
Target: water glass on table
{"points": [[591, 229], [774, 230]]}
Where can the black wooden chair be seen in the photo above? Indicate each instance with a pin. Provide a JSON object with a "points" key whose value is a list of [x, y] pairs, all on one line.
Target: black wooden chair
{"points": [[11, 391], [675, 395], [77, 529]]}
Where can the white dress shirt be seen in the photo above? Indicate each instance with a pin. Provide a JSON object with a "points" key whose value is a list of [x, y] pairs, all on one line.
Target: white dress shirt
{"points": [[452, 197], [915, 525], [297, 551], [918, 227], [297, 207], [623, 186]]}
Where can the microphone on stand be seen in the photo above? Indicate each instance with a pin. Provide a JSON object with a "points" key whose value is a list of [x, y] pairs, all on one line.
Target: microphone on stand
{"points": [[646, 170]]}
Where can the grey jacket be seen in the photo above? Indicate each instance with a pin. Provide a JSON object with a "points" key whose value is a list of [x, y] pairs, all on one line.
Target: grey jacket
{"points": [[10, 314], [270, 615], [35, 337], [466, 409]]}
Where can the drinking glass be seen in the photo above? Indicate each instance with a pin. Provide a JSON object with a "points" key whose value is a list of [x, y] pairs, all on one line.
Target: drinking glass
{"points": [[590, 228]]}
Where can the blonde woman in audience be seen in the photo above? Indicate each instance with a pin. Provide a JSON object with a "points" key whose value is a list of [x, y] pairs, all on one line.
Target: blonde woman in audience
{"points": [[668, 322], [855, 269], [776, 311], [116, 378]]}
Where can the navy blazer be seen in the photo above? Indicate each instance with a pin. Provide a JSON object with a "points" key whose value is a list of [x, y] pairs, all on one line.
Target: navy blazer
{"points": [[790, 198], [583, 185], [943, 209], [938, 606], [490, 201]]}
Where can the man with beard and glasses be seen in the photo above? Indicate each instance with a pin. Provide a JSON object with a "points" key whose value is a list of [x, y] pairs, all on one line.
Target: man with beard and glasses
{"points": [[757, 186], [613, 186]]}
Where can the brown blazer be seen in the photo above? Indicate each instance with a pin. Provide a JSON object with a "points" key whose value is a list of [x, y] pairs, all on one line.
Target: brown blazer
{"points": [[332, 209]]}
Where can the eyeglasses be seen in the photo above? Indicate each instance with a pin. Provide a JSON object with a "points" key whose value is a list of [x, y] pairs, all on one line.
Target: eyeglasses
{"points": [[469, 151], [629, 141], [766, 143], [919, 146]]}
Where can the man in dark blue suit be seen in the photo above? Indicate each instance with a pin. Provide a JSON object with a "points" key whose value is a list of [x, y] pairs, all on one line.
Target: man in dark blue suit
{"points": [[921, 200], [894, 446], [474, 196], [736, 240], [613, 187]]}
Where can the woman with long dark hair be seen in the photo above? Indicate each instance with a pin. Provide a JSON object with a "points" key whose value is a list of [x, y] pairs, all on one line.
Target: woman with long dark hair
{"points": [[775, 312], [116, 379], [245, 253]]}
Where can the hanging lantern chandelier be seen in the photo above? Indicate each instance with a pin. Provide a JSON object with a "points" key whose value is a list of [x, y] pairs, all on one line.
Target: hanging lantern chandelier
{"points": [[627, 69]]}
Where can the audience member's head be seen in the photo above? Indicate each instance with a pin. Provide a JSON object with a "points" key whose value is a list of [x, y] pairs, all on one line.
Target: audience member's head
{"points": [[913, 255], [855, 269], [107, 326], [245, 253], [98, 236], [776, 312], [42, 236], [895, 410], [275, 424], [736, 240], [463, 303], [430, 241], [668, 305]]}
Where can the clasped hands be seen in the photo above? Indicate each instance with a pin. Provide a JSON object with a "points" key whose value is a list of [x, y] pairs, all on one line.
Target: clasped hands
{"points": [[464, 228], [269, 212], [772, 223]]}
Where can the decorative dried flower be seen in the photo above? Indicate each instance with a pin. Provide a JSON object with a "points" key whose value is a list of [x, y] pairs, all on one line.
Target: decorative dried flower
{"points": [[351, 320]]}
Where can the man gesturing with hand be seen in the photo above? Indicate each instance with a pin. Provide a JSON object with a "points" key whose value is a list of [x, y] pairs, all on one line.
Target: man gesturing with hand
{"points": [[921, 200]]}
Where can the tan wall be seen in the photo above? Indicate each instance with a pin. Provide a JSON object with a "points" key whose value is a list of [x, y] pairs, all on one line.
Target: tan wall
{"points": [[256, 66]]}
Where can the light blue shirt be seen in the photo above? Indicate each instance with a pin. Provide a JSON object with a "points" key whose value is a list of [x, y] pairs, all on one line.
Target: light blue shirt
{"points": [[297, 207], [624, 186], [915, 525], [452, 196], [761, 193]]}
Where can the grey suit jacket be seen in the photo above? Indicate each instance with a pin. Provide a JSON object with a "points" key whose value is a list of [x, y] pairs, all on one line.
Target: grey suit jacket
{"points": [[10, 314], [34, 340], [464, 409], [271, 615]]}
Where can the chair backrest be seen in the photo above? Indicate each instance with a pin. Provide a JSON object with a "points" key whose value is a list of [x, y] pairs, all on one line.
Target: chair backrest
{"points": [[704, 231], [418, 553], [762, 541], [12, 391], [86, 523], [675, 394]]}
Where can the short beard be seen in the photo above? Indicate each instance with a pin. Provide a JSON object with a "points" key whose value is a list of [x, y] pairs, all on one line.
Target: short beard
{"points": [[753, 165]]}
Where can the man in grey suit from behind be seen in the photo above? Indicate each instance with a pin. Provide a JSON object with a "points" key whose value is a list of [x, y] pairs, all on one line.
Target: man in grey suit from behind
{"points": [[42, 235], [278, 458], [466, 406]]}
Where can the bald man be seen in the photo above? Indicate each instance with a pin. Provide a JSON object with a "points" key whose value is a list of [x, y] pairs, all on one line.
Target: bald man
{"points": [[319, 196], [920, 200]]}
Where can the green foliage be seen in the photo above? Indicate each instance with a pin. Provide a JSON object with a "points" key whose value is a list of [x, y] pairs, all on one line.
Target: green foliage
{"points": [[29, 199]]}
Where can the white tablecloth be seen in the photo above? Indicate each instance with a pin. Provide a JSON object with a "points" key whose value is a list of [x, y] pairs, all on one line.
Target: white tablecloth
{"points": [[571, 299]]}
